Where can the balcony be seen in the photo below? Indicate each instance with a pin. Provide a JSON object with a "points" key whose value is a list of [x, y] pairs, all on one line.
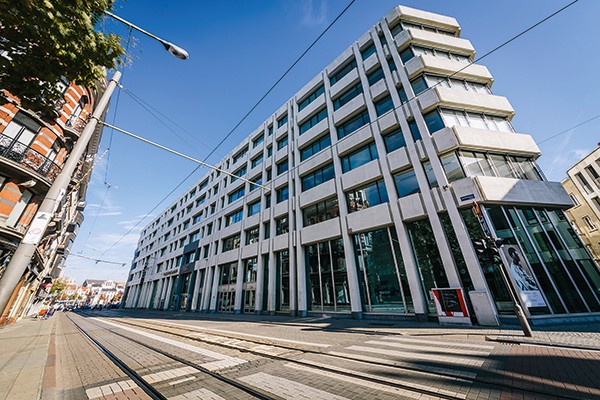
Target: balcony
{"points": [[26, 157]]}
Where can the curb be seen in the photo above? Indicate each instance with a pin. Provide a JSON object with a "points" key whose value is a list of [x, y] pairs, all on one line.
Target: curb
{"points": [[520, 341]]}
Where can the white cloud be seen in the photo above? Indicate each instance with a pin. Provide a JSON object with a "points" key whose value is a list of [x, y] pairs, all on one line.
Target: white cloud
{"points": [[314, 15]]}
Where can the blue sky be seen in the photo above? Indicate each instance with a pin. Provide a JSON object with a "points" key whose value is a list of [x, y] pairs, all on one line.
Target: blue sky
{"points": [[238, 49]]}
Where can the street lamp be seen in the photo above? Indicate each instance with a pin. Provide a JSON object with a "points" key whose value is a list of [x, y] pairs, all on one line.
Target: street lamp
{"points": [[26, 249], [170, 47]]}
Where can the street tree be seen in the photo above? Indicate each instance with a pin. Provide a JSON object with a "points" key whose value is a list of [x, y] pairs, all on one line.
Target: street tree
{"points": [[45, 41]]}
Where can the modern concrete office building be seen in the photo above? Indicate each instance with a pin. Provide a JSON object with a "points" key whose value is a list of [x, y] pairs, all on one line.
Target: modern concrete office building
{"points": [[374, 168], [583, 185]]}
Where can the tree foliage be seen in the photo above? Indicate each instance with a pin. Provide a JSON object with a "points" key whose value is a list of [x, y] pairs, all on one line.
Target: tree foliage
{"points": [[58, 286], [44, 40]]}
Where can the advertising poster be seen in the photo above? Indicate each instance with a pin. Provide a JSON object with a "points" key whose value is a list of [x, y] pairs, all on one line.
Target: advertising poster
{"points": [[522, 276]]}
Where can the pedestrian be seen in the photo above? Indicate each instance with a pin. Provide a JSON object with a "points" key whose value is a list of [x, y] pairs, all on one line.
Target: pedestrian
{"points": [[50, 312]]}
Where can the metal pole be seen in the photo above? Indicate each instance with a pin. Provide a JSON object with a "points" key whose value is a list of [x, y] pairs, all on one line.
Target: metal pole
{"points": [[24, 253]]}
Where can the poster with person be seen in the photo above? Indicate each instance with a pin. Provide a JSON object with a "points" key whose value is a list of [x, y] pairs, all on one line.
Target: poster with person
{"points": [[522, 276]]}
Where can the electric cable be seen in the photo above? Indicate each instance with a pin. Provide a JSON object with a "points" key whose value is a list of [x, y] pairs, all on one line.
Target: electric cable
{"points": [[238, 124]]}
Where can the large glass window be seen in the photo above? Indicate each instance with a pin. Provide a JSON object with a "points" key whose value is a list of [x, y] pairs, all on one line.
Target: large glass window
{"points": [[238, 194], [321, 211], [427, 256], [282, 166], [366, 196], [394, 140], [359, 157], [347, 96], [353, 124], [315, 147], [252, 235], [232, 242], [381, 273], [282, 121], [434, 121], [452, 167], [384, 105], [327, 278], [254, 208], [318, 177], [282, 194], [234, 217], [368, 51], [281, 143], [282, 300], [475, 120], [282, 225], [375, 76], [342, 72], [311, 97], [257, 161], [406, 183], [312, 121]]}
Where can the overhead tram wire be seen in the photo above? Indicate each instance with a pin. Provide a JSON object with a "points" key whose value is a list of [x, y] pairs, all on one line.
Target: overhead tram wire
{"points": [[237, 125], [98, 260], [371, 122]]}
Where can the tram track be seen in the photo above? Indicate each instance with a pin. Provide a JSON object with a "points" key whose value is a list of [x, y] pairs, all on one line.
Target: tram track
{"points": [[290, 355]]}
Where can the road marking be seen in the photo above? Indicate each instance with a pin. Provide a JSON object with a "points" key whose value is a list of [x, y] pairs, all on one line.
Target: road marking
{"points": [[418, 356], [200, 394], [409, 394], [110, 389], [249, 335], [169, 374], [430, 348], [223, 361], [286, 388], [448, 343], [387, 361]]}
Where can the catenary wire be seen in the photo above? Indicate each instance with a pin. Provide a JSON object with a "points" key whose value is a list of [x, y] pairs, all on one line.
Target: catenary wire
{"points": [[238, 124], [378, 118]]}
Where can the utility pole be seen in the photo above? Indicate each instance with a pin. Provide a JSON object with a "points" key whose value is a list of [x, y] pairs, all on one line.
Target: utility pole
{"points": [[24, 253]]}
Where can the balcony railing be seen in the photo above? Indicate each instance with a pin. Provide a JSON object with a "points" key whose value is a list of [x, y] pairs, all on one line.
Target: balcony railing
{"points": [[28, 158]]}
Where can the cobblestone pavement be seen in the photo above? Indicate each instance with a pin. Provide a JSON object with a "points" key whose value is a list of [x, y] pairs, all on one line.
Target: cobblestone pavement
{"points": [[326, 358]]}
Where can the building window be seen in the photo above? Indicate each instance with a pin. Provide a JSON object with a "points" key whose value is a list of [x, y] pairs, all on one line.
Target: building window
{"points": [[258, 141], [366, 196], [574, 199], [406, 183], [353, 124], [269, 151], [392, 65], [282, 167], [318, 177], [253, 208], [402, 94], [476, 163], [426, 81], [270, 130], [584, 182], [311, 97], [252, 235], [322, 211], [234, 217], [590, 223], [375, 76], [22, 130], [315, 147], [239, 155], [232, 242], [414, 51], [240, 172], [394, 140], [359, 157], [281, 225], [257, 161], [257, 180], [267, 230], [282, 194], [238, 194], [314, 120], [434, 121], [281, 143], [452, 167], [347, 96], [368, 51], [475, 120], [342, 72], [282, 121], [414, 130], [327, 276], [250, 270], [384, 105], [431, 179]]}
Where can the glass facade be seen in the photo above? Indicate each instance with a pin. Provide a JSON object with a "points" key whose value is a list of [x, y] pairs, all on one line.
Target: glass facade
{"points": [[563, 270], [381, 274], [327, 278]]}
